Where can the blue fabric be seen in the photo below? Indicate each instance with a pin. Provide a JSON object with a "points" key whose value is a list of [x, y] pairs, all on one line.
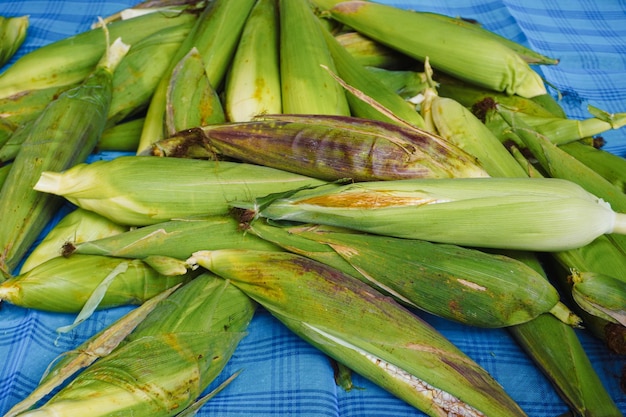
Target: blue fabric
{"points": [[283, 375]]}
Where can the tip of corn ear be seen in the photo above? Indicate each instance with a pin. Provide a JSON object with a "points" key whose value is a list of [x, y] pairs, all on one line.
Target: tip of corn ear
{"points": [[48, 182], [115, 53]]}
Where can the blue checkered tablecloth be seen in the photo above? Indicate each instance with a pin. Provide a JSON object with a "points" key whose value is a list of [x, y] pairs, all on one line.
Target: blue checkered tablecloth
{"points": [[284, 376]]}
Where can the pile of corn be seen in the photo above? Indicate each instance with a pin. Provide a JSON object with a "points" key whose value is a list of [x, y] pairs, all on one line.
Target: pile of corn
{"points": [[313, 159]]}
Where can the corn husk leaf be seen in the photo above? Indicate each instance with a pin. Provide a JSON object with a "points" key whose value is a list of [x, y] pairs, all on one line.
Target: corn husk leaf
{"points": [[538, 214], [97, 346], [330, 148], [177, 238], [77, 226], [130, 190], [66, 284], [359, 327]]}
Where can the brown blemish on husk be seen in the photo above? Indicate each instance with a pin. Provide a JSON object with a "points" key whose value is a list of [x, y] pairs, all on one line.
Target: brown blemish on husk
{"points": [[481, 108], [67, 249], [179, 145], [615, 336]]}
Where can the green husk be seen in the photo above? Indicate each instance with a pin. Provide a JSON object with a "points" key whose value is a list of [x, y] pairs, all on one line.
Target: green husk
{"points": [[610, 166], [538, 214], [143, 190], [99, 345], [408, 84], [370, 53], [358, 77], [12, 34], [64, 134], [600, 295], [4, 172], [13, 144], [450, 48], [176, 238], [527, 54], [72, 59], [253, 81], [19, 109], [557, 351], [191, 100], [65, 284], [77, 226], [559, 164], [122, 137], [138, 74], [191, 335], [562, 130], [215, 35], [364, 330], [460, 284], [306, 87], [457, 124]]}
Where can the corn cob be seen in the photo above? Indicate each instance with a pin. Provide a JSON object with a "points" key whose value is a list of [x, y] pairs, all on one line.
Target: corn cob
{"points": [[364, 330], [65, 284], [65, 133], [215, 35], [481, 289], [77, 226], [370, 53], [138, 74], [139, 190], [552, 345], [191, 100], [122, 137], [450, 48], [457, 124], [253, 80], [600, 295], [306, 87], [527, 54], [99, 345], [176, 238], [604, 256], [191, 335], [12, 34], [608, 331], [70, 60], [558, 164], [610, 166], [355, 75], [557, 351], [331, 148], [537, 214]]}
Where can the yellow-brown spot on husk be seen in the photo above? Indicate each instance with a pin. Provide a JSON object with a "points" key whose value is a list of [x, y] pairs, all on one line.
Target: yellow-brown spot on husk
{"points": [[366, 200]]}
